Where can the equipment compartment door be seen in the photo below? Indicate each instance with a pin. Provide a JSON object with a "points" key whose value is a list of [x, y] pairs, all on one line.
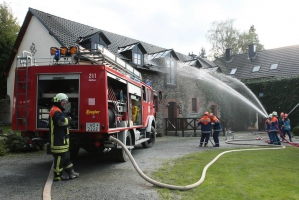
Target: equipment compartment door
{"points": [[48, 86]]}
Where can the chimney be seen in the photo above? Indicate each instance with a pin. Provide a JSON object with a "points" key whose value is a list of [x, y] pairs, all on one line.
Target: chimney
{"points": [[252, 51], [228, 53]]}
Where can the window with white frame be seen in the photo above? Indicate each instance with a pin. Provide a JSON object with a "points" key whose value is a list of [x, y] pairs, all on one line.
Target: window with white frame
{"points": [[233, 71], [256, 68], [137, 58], [274, 66], [170, 69]]}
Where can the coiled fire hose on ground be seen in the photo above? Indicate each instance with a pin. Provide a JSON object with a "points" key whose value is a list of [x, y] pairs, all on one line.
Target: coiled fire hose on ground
{"points": [[203, 175]]}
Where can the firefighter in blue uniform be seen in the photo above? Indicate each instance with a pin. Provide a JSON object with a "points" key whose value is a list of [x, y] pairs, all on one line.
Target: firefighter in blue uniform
{"points": [[59, 133], [280, 126], [206, 129], [216, 127], [267, 123], [273, 129]]}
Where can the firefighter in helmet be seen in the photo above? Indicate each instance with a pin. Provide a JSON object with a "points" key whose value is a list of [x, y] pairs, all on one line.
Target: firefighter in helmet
{"points": [[267, 123], [273, 129], [59, 133], [216, 127], [206, 129]]}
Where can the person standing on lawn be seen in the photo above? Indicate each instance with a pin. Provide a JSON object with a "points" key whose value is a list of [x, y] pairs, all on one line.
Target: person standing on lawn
{"points": [[206, 129]]}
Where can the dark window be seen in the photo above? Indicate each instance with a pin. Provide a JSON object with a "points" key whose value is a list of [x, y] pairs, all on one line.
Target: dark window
{"points": [[194, 105], [144, 94]]}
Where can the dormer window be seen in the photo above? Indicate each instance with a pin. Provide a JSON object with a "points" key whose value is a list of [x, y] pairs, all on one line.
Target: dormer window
{"points": [[169, 59], [94, 41], [133, 53]]}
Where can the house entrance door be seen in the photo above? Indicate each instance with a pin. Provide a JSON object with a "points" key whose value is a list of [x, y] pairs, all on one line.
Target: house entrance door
{"points": [[171, 115]]}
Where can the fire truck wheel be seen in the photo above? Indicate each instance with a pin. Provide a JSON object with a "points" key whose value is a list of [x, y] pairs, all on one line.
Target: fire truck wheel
{"points": [[151, 142], [120, 154]]}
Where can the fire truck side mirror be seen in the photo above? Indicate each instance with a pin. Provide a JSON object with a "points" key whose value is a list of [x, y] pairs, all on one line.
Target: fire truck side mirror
{"points": [[160, 94]]}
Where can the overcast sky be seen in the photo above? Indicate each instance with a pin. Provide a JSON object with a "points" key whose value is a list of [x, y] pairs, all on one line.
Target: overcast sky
{"points": [[178, 24]]}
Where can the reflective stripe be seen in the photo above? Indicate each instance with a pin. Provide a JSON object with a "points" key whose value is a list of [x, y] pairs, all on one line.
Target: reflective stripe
{"points": [[57, 169], [206, 131], [69, 166], [59, 149], [63, 123], [52, 134]]}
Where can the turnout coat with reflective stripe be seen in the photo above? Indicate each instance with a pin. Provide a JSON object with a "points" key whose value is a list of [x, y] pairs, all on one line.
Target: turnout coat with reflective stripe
{"points": [[59, 130]]}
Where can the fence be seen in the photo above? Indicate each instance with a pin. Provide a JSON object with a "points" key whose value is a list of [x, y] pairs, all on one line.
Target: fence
{"points": [[181, 124]]}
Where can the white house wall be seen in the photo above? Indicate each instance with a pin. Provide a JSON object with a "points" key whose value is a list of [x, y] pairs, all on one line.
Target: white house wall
{"points": [[38, 35]]}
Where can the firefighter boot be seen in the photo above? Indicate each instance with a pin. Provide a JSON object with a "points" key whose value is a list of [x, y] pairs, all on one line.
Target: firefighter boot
{"points": [[72, 174], [60, 177]]}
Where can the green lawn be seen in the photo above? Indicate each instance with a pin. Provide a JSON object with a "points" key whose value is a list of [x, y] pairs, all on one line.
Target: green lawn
{"points": [[250, 175]]}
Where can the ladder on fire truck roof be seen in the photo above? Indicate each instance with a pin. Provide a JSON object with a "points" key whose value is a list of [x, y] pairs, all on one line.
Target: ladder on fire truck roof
{"points": [[104, 56], [21, 89]]}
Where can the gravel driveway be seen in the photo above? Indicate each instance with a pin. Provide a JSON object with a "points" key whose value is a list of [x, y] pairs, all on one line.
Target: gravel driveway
{"points": [[23, 176]]}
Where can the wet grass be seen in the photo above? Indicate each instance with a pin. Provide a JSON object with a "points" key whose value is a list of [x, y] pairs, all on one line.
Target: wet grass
{"points": [[267, 174]]}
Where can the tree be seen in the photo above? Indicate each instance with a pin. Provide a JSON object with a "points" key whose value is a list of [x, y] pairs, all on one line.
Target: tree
{"points": [[202, 53], [248, 38], [9, 29], [224, 36]]}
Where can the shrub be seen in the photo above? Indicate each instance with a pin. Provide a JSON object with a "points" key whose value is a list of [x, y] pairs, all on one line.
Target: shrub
{"points": [[2, 148], [296, 131], [18, 144]]}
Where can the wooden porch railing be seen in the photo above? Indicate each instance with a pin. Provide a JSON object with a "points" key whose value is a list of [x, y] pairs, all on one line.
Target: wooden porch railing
{"points": [[181, 124]]}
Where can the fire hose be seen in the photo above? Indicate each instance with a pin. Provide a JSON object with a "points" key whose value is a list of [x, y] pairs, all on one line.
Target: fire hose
{"points": [[187, 187], [283, 137]]}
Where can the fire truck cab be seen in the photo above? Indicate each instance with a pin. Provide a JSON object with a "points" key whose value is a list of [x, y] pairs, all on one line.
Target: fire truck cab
{"points": [[106, 98]]}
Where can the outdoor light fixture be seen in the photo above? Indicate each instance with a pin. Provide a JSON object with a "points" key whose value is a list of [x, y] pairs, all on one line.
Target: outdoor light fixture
{"points": [[63, 51]]}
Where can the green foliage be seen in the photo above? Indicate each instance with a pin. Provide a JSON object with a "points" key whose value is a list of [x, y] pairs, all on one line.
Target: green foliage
{"points": [[9, 29], [2, 147], [296, 131], [224, 35], [237, 175], [247, 38], [280, 95], [15, 143], [202, 53], [18, 144]]}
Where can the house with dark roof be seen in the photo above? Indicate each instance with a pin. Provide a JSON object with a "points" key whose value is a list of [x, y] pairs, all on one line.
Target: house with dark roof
{"points": [[159, 66], [278, 62]]}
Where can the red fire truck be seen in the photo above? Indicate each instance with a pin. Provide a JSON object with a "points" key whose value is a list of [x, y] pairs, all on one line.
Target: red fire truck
{"points": [[106, 98]]}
